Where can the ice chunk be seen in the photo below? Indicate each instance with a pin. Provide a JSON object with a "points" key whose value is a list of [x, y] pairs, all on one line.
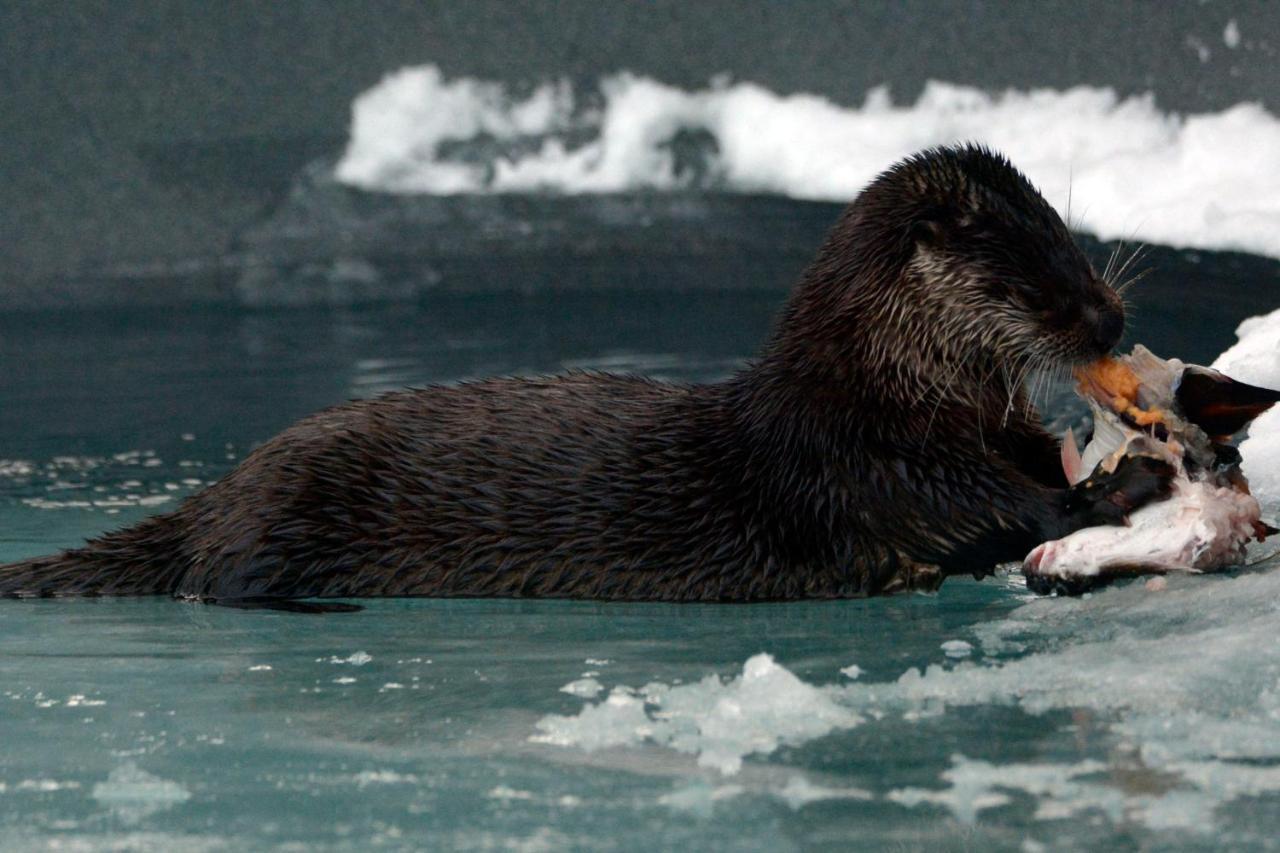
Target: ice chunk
{"points": [[799, 792], [365, 778], [355, 659], [975, 786], [587, 688], [1231, 34], [720, 722], [133, 794], [699, 797], [619, 720]]}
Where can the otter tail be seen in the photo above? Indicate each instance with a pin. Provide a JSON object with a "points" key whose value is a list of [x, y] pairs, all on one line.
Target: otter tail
{"points": [[141, 560]]}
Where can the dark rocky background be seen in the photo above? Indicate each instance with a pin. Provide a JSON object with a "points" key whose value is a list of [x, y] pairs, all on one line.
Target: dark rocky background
{"points": [[144, 144]]}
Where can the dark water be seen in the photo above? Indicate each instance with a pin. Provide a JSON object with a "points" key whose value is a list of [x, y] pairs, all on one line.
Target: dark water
{"points": [[153, 724]]}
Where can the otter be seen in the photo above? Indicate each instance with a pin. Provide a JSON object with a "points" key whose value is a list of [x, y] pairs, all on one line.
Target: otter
{"points": [[881, 441]]}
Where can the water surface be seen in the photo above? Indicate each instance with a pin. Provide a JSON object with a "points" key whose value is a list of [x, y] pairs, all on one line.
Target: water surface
{"points": [[1131, 719]]}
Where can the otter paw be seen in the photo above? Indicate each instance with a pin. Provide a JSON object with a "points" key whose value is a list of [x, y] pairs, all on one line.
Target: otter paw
{"points": [[1108, 498]]}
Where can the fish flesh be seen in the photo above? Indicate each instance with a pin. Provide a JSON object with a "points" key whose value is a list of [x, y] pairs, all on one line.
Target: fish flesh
{"points": [[1183, 414]]}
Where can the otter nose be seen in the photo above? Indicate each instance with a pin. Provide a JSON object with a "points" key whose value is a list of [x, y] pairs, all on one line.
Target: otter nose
{"points": [[1109, 328]]}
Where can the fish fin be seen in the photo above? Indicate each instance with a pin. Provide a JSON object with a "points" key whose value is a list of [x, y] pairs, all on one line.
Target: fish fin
{"points": [[1261, 530], [1072, 464], [1218, 404]]}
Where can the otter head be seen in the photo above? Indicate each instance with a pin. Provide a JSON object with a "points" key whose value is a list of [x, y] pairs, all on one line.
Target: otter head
{"points": [[982, 258]]}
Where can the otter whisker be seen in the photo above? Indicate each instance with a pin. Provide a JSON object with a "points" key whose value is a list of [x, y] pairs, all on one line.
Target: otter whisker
{"points": [[1111, 261], [942, 396], [986, 378], [1043, 361], [1133, 279], [1138, 252], [1070, 187]]}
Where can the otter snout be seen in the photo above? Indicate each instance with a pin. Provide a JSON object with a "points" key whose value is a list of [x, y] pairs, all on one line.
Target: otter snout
{"points": [[1108, 329]]}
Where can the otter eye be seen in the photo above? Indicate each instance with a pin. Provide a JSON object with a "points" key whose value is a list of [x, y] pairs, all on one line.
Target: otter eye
{"points": [[1032, 291]]}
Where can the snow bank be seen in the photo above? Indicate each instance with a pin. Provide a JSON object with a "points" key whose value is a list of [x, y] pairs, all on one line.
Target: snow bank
{"points": [[1129, 170], [1256, 359]]}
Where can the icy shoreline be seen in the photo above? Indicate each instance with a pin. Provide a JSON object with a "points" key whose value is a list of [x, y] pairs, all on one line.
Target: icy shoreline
{"points": [[1121, 168]]}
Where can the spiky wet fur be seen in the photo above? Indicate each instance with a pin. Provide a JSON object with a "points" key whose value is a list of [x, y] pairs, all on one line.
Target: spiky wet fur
{"points": [[881, 441]]}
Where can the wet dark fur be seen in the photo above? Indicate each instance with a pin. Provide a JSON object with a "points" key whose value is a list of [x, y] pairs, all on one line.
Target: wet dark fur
{"points": [[880, 442]]}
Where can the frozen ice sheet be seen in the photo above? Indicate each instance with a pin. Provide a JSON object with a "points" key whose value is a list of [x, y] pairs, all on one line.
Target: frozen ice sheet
{"points": [[1134, 172]]}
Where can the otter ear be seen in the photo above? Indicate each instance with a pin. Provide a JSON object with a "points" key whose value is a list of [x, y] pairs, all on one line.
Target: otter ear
{"points": [[931, 224], [927, 232]]}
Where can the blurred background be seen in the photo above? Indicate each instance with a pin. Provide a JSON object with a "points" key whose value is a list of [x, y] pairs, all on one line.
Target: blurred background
{"points": [[180, 153]]}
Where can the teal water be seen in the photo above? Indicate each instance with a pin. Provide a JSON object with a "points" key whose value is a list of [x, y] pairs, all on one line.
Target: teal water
{"points": [[1131, 719]]}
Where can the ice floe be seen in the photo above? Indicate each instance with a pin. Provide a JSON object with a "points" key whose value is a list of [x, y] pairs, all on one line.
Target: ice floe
{"points": [[1126, 168], [132, 793], [1184, 684]]}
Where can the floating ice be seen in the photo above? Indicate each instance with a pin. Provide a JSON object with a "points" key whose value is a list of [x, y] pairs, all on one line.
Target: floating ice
{"points": [[1134, 172], [1231, 34], [133, 794], [978, 785], [1186, 683], [502, 792], [355, 659], [587, 688], [1256, 359], [383, 777], [720, 722], [799, 792], [44, 786], [699, 797]]}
